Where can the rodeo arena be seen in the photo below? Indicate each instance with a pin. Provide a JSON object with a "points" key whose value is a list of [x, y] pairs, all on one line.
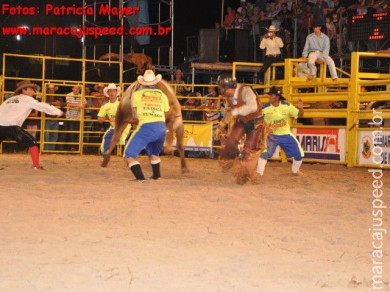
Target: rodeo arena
{"points": [[235, 146]]}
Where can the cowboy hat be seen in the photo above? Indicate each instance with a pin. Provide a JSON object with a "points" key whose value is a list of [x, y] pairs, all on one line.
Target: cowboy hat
{"points": [[272, 28], [97, 86], [51, 86], [113, 87], [25, 84], [276, 91], [149, 78]]}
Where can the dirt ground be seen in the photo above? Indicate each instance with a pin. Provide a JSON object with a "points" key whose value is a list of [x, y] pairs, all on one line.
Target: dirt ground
{"points": [[78, 227]]}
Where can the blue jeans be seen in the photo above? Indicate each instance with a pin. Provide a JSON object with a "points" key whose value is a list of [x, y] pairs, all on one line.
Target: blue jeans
{"points": [[288, 143]]}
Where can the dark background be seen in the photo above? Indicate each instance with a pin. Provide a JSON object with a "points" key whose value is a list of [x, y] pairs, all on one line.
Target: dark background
{"points": [[190, 16]]}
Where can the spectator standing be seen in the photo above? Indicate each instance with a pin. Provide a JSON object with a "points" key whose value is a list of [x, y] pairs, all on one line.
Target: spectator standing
{"points": [[320, 9], [254, 21], [308, 20], [331, 33], [229, 17], [75, 104], [272, 13], [51, 125], [180, 90], [272, 44], [189, 114]]}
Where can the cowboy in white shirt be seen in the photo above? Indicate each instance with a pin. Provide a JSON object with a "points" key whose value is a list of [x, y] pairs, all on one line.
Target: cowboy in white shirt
{"points": [[15, 110]]}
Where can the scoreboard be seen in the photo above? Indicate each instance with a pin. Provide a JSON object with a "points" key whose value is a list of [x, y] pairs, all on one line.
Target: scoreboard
{"points": [[374, 26]]}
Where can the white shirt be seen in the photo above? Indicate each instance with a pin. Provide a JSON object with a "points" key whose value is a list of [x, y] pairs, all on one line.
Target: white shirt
{"points": [[73, 112], [248, 97], [272, 46], [15, 110]]}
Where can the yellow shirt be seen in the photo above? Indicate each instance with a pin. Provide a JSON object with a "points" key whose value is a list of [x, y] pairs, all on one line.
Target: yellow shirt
{"points": [[277, 117], [109, 109], [151, 105]]}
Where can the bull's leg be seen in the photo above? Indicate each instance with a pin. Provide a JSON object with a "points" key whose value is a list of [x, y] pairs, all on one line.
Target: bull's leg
{"points": [[180, 146], [254, 145], [115, 139], [168, 148], [229, 150]]}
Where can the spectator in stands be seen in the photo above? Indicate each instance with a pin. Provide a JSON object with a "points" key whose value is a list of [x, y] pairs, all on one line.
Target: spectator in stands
{"points": [[249, 6], [180, 90], [360, 7], [317, 50], [75, 104], [229, 17], [320, 9], [221, 106], [52, 125], [286, 28], [188, 107], [331, 33], [31, 124], [298, 11], [341, 30], [272, 13], [210, 114], [100, 98], [211, 92], [330, 4], [98, 90], [241, 20], [308, 20], [272, 44], [242, 6], [285, 17], [262, 4], [337, 7], [254, 22]]}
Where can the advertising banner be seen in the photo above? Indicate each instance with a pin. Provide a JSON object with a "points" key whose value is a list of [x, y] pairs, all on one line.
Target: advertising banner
{"points": [[198, 137], [374, 147], [322, 144]]}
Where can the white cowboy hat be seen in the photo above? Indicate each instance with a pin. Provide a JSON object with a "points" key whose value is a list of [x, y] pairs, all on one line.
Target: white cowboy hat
{"points": [[149, 78], [272, 28], [25, 84], [111, 86]]}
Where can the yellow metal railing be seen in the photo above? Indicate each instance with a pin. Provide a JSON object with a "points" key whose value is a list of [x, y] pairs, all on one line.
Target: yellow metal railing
{"points": [[349, 90], [41, 63], [346, 91]]}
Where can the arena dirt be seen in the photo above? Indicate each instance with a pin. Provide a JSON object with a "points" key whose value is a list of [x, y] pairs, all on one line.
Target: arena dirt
{"points": [[78, 227]]}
